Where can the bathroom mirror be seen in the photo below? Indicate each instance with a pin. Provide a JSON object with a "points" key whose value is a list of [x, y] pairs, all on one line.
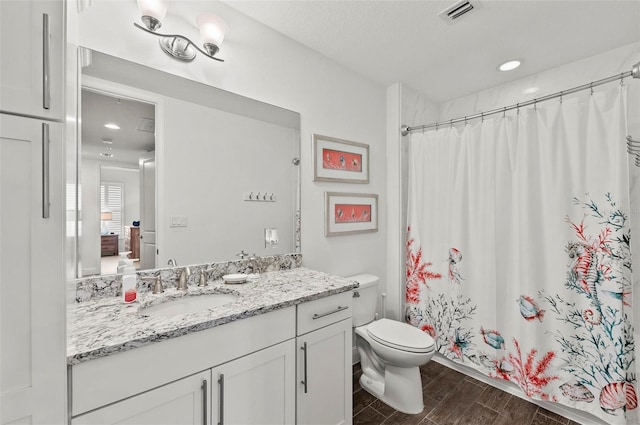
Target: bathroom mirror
{"points": [[198, 175]]}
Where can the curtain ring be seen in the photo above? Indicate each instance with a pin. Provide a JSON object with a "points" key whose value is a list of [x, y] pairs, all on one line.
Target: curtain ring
{"points": [[518, 108], [561, 97], [504, 112], [621, 78], [482, 117], [437, 126], [535, 104], [591, 88], [451, 123], [465, 121]]}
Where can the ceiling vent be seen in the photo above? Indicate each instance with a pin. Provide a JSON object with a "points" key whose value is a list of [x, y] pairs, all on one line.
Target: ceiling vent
{"points": [[456, 11], [146, 124]]}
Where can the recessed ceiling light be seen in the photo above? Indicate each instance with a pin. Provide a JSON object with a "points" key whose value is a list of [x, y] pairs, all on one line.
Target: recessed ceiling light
{"points": [[112, 126], [510, 65], [108, 155], [530, 90]]}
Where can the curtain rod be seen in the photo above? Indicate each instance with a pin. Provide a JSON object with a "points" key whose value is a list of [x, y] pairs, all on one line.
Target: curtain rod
{"points": [[635, 73]]}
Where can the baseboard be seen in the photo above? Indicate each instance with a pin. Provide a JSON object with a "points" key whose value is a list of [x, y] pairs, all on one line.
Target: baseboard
{"points": [[506, 386]]}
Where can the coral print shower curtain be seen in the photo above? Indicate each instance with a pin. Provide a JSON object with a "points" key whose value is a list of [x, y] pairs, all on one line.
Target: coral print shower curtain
{"points": [[518, 256]]}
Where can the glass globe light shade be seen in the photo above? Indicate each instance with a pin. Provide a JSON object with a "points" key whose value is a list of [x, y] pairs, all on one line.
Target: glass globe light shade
{"points": [[154, 8], [212, 29]]}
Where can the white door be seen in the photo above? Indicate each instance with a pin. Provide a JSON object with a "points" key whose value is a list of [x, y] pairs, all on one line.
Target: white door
{"points": [[31, 37], [148, 213], [183, 402], [324, 381], [256, 389], [32, 296]]}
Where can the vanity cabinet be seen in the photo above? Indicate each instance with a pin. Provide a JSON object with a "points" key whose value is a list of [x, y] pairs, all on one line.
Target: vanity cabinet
{"points": [[324, 382], [31, 70], [287, 366], [32, 311], [180, 402], [256, 389]]}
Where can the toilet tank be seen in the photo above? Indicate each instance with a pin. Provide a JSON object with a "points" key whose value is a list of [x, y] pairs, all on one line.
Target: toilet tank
{"points": [[364, 304]]}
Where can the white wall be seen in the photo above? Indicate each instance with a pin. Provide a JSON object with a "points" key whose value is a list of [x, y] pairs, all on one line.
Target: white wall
{"points": [[255, 154], [89, 232], [263, 64]]}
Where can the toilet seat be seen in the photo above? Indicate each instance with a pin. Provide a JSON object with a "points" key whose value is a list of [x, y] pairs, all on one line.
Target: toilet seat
{"points": [[400, 336]]}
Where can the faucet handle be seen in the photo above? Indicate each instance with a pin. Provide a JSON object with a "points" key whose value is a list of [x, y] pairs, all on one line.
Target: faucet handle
{"points": [[242, 254], [202, 281], [156, 285]]}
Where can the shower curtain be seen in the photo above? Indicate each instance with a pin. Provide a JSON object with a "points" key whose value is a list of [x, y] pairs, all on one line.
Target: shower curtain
{"points": [[518, 258]]}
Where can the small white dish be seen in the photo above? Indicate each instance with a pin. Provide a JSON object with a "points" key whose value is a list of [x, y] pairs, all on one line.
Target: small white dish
{"points": [[235, 278]]}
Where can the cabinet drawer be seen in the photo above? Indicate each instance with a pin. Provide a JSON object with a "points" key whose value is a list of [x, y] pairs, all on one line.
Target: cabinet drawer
{"points": [[316, 314]]}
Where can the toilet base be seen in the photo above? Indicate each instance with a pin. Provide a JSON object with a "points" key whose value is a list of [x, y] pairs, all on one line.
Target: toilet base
{"points": [[401, 389]]}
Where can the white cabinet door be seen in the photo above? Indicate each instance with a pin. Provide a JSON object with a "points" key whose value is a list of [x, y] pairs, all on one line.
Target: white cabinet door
{"points": [[324, 375], [181, 402], [31, 64], [256, 389], [32, 296]]}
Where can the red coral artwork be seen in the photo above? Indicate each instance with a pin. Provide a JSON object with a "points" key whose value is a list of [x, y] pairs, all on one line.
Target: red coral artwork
{"points": [[530, 377], [417, 272]]}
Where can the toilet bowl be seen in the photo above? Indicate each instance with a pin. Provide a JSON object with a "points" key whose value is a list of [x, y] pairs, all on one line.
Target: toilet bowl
{"points": [[390, 352]]}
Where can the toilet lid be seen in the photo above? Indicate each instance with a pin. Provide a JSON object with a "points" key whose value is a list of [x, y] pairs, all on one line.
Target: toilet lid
{"points": [[401, 336]]}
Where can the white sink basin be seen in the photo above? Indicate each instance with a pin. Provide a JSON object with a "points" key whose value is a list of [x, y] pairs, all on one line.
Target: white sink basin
{"points": [[187, 305]]}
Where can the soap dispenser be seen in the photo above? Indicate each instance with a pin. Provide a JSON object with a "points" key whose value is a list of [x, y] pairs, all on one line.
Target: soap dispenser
{"points": [[129, 293]]}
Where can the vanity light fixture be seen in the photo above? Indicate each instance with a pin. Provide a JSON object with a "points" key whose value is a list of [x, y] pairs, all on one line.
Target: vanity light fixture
{"points": [[107, 141], [510, 65], [112, 126], [212, 31]]}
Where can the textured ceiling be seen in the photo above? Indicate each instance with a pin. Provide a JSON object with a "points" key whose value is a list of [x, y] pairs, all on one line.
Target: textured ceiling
{"points": [[128, 142], [405, 41]]}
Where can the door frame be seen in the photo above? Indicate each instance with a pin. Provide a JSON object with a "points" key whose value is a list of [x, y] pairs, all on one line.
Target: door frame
{"points": [[113, 89]]}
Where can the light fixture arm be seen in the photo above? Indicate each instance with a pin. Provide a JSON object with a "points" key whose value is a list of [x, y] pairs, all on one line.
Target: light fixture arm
{"points": [[178, 36]]}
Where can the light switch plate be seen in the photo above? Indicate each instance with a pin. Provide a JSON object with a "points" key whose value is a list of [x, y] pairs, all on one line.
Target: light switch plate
{"points": [[178, 221]]}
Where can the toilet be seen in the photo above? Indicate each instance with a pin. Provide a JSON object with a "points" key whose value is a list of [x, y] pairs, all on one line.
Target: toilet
{"points": [[391, 352]]}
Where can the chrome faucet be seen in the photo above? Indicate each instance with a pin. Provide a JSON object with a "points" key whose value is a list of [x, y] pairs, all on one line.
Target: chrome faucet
{"points": [[172, 262], [182, 281], [253, 262]]}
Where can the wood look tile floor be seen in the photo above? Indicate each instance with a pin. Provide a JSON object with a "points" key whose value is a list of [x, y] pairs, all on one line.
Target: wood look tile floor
{"points": [[452, 398]]}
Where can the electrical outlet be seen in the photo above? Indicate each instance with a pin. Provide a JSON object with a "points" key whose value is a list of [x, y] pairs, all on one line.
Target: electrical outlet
{"points": [[270, 238]]}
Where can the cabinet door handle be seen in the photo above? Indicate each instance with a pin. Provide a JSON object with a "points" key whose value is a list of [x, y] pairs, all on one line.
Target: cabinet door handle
{"points": [[46, 56], [204, 402], [340, 308], [45, 170], [221, 399], [304, 382]]}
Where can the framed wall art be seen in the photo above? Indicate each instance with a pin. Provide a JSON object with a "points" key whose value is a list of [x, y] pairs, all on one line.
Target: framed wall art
{"points": [[350, 213], [337, 160]]}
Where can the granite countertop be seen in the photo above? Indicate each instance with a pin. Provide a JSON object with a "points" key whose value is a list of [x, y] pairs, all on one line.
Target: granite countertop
{"points": [[106, 326]]}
